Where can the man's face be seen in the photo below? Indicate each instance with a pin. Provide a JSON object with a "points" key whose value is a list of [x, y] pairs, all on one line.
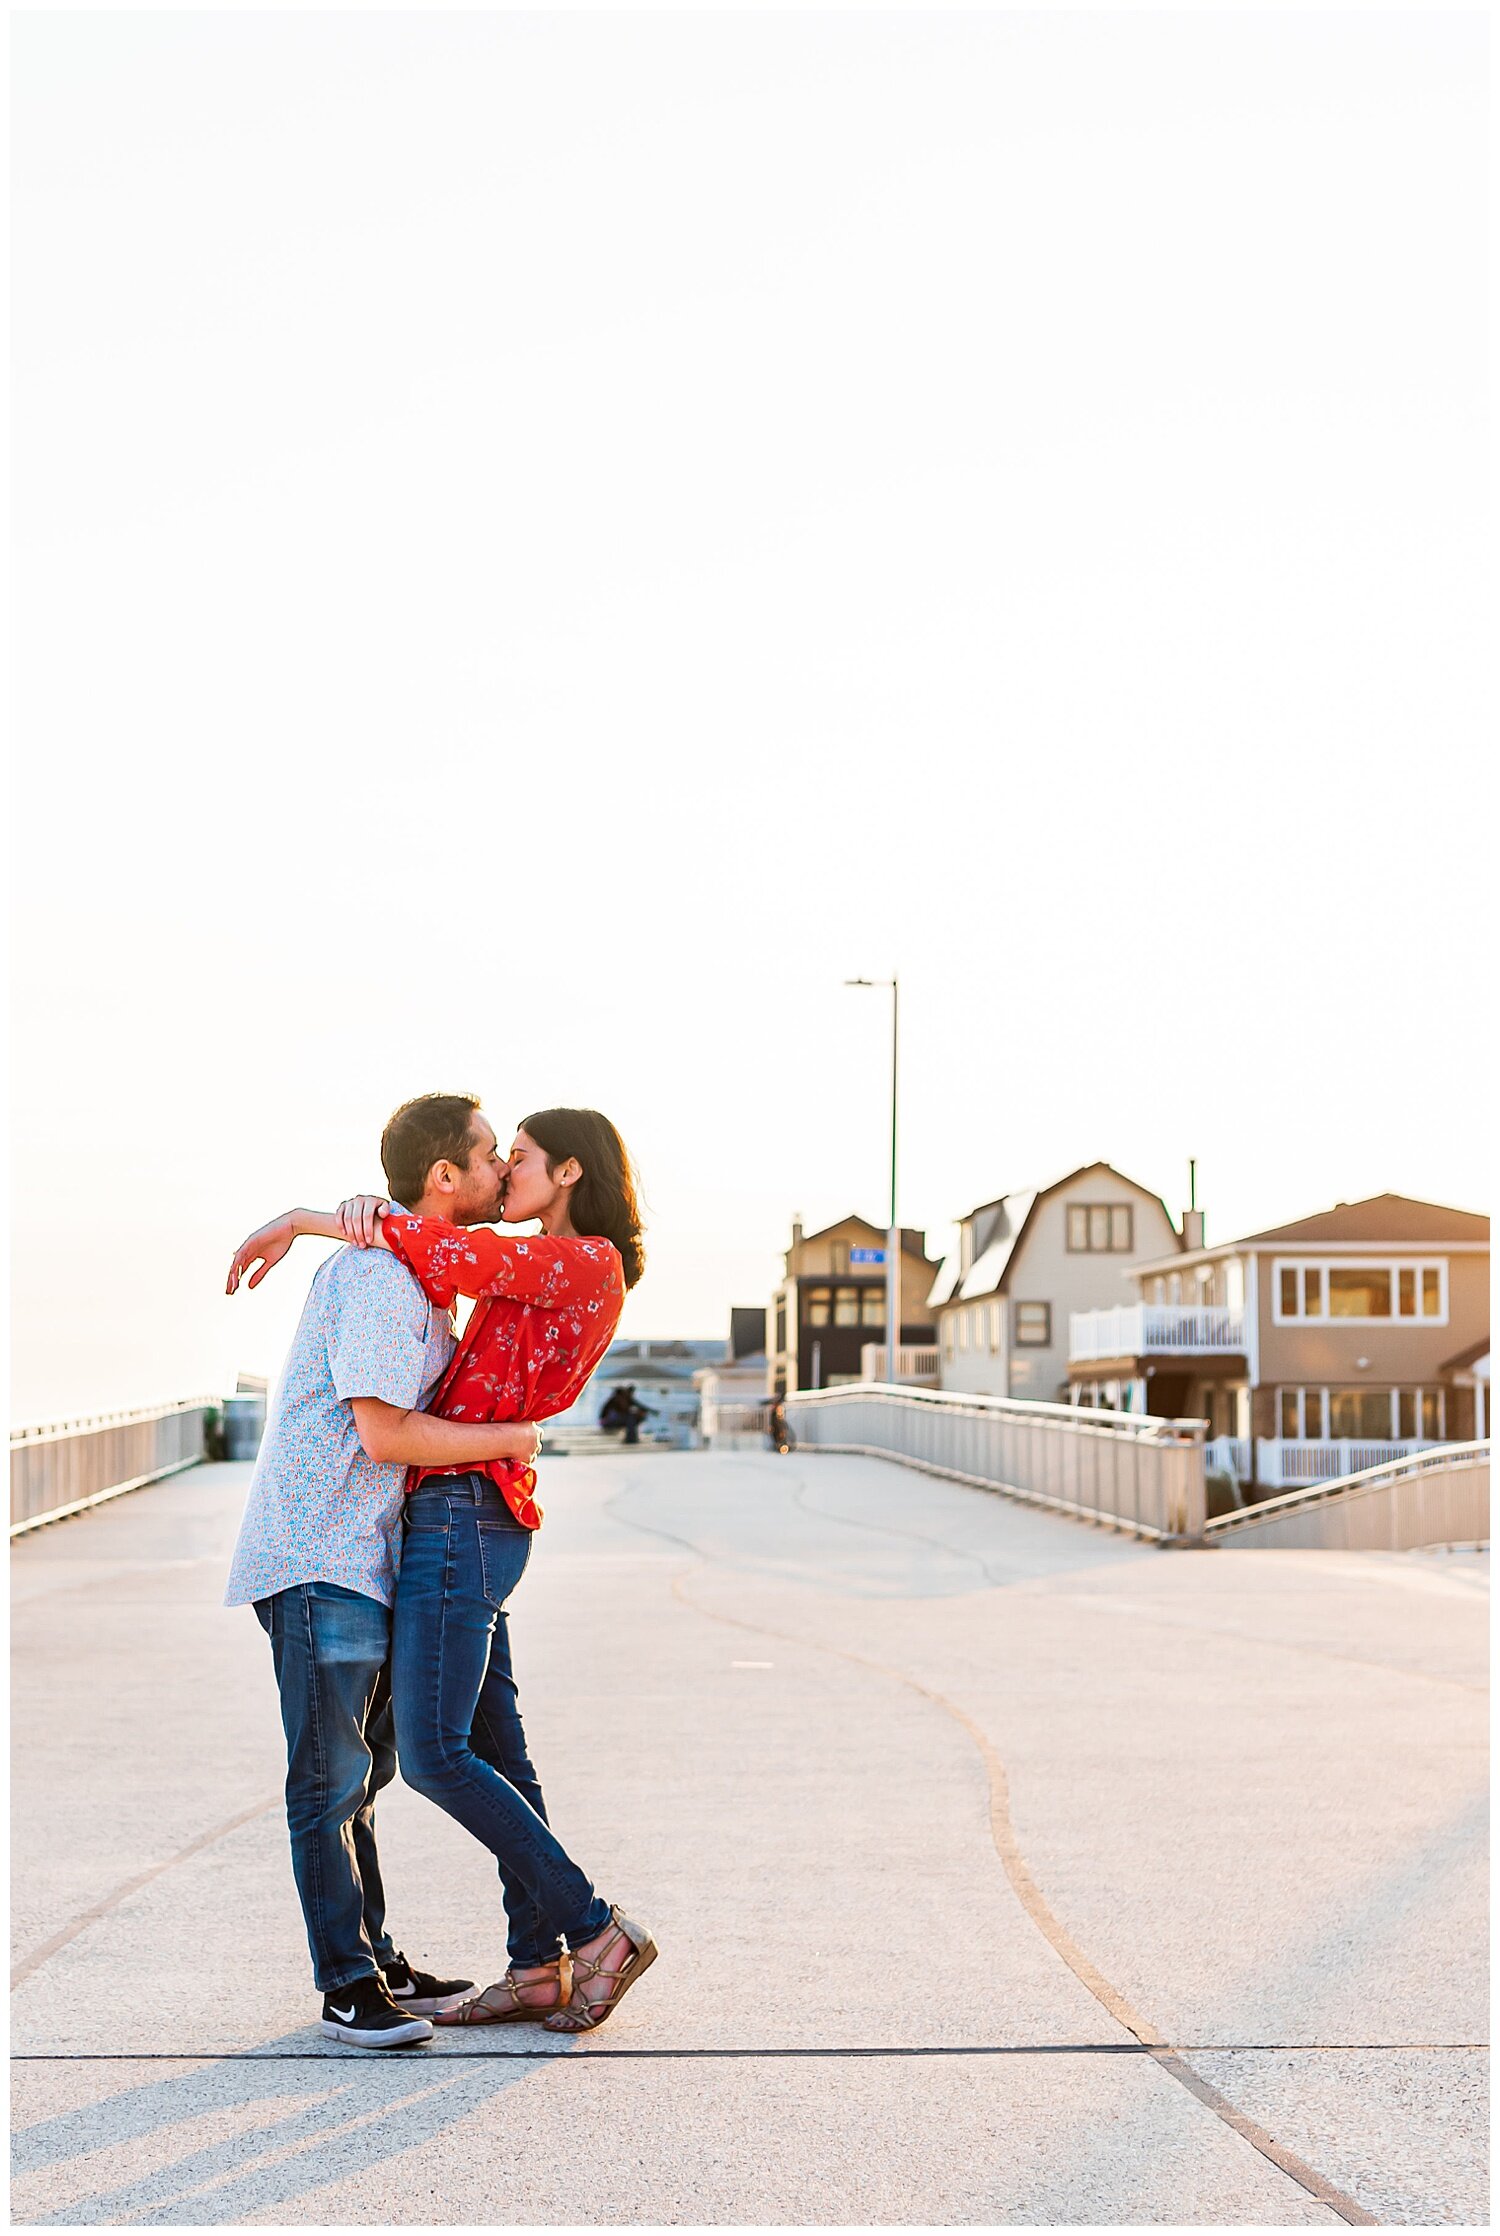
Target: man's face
{"points": [[480, 1190]]}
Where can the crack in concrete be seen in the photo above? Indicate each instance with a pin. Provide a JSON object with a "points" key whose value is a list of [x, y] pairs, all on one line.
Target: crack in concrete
{"points": [[1031, 1899]]}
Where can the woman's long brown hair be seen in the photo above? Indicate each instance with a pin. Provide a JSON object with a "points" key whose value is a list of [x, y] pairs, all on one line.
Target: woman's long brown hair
{"points": [[604, 1200]]}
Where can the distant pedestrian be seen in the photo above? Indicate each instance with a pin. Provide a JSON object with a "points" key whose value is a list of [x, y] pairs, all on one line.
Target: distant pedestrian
{"points": [[622, 1409], [778, 1434]]}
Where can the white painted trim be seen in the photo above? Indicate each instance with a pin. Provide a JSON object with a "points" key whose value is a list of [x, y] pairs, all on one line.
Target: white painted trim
{"points": [[1395, 1391], [1252, 1322], [1253, 1249], [1301, 1266]]}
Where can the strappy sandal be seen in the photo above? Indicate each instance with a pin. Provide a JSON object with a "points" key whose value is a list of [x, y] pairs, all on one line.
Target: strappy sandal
{"points": [[584, 2008], [500, 2003]]}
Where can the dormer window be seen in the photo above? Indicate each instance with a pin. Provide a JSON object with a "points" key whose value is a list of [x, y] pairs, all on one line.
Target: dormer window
{"points": [[1099, 1226]]}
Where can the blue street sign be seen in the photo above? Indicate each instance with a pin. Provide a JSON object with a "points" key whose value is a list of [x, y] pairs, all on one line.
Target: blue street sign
{"points": [[867, 1257]]}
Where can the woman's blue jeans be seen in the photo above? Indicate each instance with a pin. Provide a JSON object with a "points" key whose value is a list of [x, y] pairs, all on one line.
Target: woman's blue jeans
{"points": [[453, 1690]]}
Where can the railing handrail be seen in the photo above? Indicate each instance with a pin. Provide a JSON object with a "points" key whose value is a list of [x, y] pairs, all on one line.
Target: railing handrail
{"points": [[89, 1424], [1147, 1428], [1131, 1471], [1364, 1479]]}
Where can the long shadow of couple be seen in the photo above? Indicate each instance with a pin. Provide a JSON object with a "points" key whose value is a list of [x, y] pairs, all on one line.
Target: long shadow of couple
{"points": [[239, 2136]]}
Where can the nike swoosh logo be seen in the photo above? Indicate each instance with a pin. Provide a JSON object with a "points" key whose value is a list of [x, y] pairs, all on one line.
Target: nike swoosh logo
{"points": [[346, 2016]]}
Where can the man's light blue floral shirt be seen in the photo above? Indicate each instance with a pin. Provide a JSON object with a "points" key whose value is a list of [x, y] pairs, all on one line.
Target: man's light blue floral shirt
{"points": [[319, 1509]]}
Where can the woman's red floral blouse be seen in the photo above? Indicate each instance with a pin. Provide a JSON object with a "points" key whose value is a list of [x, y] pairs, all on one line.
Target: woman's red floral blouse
{"points": [[545, 1314]]}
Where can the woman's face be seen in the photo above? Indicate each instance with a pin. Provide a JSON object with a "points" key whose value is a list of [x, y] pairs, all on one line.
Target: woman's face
{"points": [[530, 1190]]}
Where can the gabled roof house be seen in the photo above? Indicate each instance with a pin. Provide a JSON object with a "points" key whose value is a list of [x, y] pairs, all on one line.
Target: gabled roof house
{"points": [[1024, 1262]]}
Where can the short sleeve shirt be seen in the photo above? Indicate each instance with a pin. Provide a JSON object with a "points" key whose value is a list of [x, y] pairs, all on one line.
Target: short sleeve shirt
{"points": [[319, 1509]]}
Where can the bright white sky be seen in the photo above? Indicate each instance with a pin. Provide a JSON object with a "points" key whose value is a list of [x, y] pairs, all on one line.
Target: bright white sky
{"points": [[546, 542]]}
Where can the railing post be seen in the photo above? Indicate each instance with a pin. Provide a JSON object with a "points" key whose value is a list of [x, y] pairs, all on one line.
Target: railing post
{"points": [[1195, 1503]]}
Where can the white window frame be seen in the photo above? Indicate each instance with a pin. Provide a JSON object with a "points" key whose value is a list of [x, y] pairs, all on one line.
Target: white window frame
{"points": [[1394, 1391], [1299, 1268]]}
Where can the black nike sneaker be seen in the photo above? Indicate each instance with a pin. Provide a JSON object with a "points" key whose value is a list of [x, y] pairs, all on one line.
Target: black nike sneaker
{"points": [[364, 2013], [419, 1991]]}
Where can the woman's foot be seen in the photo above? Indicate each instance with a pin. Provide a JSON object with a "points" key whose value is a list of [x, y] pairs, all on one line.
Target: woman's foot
{"points": [[603, 1969], [527, 1991]]}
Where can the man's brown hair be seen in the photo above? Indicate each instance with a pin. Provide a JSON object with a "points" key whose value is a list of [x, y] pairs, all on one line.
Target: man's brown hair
{"points": [[422, 1131]]}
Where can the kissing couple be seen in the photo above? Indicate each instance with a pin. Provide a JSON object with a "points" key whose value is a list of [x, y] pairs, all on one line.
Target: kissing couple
{"points": [[390, 1518]]}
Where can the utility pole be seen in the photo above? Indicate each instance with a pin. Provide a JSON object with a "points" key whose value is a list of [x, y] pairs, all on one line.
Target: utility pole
{"points": [[893, 1233]]}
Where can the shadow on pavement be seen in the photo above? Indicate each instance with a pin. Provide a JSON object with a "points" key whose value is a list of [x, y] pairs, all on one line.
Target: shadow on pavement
{"points": [[281, 2125]]}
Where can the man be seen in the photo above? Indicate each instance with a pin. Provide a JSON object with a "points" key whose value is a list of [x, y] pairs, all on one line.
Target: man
{"points": [[320, 1542]]}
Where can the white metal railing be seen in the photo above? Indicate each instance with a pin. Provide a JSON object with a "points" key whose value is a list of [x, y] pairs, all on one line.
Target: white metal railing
{"points": [[1281, 1461], [734, 1426], [1128, 1330], [1129, 1469], [61, 1467], [1440, 1496], [915, 1362]]}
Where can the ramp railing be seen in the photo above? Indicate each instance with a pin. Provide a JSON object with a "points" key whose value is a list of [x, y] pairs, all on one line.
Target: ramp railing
{"points": [[1130, 1470], [62, 1467], [1437, 1497]]}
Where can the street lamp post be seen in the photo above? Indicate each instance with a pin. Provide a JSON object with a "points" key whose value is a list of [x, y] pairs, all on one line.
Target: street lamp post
{"points": [[893, 1236]]}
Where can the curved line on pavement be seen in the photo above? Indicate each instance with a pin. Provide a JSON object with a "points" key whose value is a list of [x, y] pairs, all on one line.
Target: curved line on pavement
{"points": [[1034, 1587], [1032, 1901], [117, 1895], [885, 1529]]}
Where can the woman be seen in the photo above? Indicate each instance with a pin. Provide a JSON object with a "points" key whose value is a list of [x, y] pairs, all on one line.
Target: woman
{"points": [[546, 1308]]}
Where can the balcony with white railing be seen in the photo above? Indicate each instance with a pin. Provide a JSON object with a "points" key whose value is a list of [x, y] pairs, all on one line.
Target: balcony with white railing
{"points": [[1282, 1463], [1131, 1330], [915, 1362]]}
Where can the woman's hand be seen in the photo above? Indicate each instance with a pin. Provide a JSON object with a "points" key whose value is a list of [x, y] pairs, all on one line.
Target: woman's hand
{"points": [[358, 1217], [268, 1245], [527, 1443]]}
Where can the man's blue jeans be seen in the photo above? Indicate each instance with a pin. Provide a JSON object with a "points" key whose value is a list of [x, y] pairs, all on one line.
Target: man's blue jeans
{"points": [[458, 1720], [331, 1650]]}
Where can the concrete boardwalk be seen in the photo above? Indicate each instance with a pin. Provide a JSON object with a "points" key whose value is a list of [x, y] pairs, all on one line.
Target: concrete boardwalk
{"points": [[940, 1808]]}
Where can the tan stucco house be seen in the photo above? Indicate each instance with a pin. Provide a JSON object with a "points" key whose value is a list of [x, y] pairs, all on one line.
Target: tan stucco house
{"points": [[1334, 1342]]}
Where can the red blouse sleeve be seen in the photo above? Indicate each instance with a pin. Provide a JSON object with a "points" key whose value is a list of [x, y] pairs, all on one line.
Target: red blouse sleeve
{"points": [[454, 1262]]}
